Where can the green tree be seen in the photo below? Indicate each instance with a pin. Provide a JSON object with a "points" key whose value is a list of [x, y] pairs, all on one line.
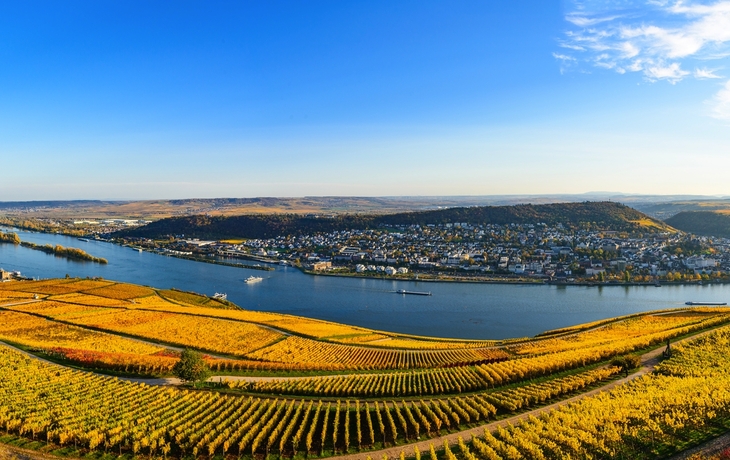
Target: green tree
{"points": [[191, 368], [626, 363]]}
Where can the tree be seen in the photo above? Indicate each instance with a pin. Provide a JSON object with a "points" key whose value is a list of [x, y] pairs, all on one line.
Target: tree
{"points": [[9, 238], [626, 362], [191, 368]]}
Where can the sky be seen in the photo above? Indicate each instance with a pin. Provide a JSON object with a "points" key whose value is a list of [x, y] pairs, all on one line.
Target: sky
{"points": [[179, 99]]}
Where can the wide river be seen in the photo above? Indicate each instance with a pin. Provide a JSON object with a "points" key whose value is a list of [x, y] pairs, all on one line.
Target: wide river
{"points": [[476, 311]]}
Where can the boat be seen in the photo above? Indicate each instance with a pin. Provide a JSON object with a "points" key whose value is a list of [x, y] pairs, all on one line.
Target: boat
{"points": [[253, 279], [220, 296], [284, 263], [83, 239], [404, 292], [707, 304]]}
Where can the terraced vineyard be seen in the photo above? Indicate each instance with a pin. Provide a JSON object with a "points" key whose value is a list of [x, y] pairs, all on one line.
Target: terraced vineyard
{"points": [[388, 394]]}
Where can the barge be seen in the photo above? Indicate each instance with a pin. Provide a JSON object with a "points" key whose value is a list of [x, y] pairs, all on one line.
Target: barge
{"points": [[404, 292]]}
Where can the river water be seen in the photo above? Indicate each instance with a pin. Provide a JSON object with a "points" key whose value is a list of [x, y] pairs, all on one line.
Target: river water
{"points": [[463, 310]]}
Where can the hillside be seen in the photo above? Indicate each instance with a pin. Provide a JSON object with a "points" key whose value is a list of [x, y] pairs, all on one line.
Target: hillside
{"points": [[708, 223], [593, 215], [398, 393]]}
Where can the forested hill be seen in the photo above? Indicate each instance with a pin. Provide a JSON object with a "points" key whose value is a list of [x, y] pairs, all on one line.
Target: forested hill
{"points": [[588, 215], [708, 223]]}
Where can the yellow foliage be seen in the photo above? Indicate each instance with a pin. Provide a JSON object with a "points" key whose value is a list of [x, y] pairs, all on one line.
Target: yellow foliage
{"points": [[121, 291], [33, 331]]}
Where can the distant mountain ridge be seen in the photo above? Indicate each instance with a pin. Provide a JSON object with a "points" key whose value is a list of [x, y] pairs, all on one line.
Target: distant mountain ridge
{"points": [[593, 215], [49, 204], [708, 223]]}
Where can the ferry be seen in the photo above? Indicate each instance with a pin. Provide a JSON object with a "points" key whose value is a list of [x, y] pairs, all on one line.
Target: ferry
{"points": [[83, 239], [404, 292], [707, 304], [253, 279], [220, 296]]}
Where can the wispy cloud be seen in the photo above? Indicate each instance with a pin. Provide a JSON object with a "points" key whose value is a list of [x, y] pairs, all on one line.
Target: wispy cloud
{"points": [[721, 103], [563, 57], [705, 74], [671, 72], [660, 39], [583, 21]]}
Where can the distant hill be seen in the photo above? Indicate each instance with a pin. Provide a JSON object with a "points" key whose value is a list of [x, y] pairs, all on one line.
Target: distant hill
{"points": [[10, 205], [666, 209], [657, 206], [707, 223], [590, 215]]}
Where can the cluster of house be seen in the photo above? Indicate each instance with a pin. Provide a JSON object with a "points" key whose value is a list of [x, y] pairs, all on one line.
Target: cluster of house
{"points": [[528, 250], [534, 250]]}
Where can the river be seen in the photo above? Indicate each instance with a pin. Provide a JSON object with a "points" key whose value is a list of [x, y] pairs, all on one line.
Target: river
{"points": [[463, 310]]}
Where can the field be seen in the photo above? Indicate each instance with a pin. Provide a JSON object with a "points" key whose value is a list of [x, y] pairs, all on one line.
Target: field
{"points": [[331, 389]]}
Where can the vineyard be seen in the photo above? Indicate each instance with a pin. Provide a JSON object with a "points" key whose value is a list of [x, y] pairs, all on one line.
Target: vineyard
{"points": [[32, 331], [67, 407], [332, 389], [651, 417]]}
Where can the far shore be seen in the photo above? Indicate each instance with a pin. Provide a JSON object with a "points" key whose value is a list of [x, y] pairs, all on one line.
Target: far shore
{"points": [[518, 281]]}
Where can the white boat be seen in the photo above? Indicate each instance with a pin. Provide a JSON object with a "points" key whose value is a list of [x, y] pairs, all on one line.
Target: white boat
{"points": [[220, 296], [253, 279]]}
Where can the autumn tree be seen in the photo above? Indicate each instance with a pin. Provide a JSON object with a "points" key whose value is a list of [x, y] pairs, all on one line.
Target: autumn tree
{"points": [[191, 367]]}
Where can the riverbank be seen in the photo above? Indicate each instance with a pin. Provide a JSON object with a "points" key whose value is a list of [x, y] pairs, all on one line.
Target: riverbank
{"points": [[427, 278], [219, 262]]}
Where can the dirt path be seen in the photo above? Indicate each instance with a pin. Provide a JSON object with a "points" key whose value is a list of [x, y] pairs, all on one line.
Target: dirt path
{"points": [[8, 452], [713, 447], [23, 302]]}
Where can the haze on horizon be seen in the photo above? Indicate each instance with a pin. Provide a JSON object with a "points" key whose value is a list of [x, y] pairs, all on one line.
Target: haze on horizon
{"points": [[140, 100]]}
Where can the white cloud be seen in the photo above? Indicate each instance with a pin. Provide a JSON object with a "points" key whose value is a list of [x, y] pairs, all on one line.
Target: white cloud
{"points": [[705, 74], [672, 72], [655, 39], [721, 103]]}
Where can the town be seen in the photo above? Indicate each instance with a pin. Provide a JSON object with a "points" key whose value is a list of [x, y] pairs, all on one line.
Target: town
{"points": [[462, 251]]}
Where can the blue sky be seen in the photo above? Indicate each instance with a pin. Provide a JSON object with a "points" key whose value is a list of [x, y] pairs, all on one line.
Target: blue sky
{"points": [[146, 100]]}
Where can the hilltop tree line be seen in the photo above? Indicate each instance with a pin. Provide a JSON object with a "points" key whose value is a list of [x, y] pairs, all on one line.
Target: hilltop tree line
{"points": [[588, 215]]}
